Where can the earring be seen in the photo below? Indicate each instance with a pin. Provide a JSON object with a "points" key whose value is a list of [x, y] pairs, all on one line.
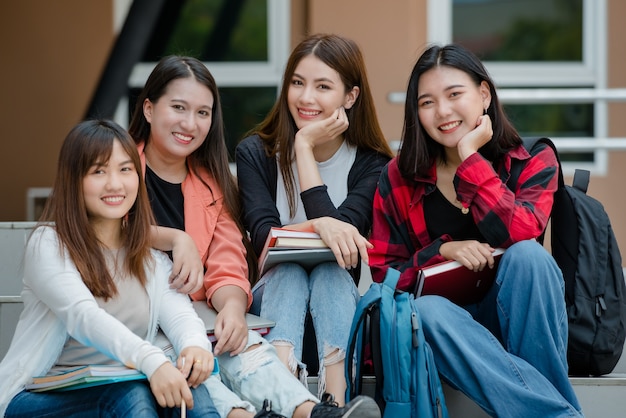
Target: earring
{"points": [[484, 111]]}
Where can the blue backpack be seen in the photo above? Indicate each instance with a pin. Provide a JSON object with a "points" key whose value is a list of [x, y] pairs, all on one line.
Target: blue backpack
{"points": [[407, 382]]}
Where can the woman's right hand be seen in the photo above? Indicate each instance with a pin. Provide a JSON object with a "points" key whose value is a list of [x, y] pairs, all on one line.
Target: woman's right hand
{"points": [[472, 254], [343, 239], [322, 131], [170, 387]]}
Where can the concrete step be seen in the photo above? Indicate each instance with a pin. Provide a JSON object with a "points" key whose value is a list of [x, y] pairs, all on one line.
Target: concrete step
{"points": [[600, 397]]}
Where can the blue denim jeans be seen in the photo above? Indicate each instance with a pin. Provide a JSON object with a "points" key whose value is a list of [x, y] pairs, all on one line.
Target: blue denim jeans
{"points": [[126, 399], [508, 353], [288, 291]]}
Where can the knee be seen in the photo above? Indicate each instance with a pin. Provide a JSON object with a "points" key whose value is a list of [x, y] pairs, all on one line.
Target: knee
{"points": [[287, 272], [435, 311], [329, 280], [135, 397], [527, 266], [523, 251], [202, 401]]}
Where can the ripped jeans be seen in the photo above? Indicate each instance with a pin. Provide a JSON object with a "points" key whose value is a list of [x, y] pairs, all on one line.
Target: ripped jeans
{"points": [[245, 380], [288, 291]]}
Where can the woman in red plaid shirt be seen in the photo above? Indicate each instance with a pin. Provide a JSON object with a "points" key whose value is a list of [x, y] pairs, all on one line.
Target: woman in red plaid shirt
{"points": [[445, 197]]}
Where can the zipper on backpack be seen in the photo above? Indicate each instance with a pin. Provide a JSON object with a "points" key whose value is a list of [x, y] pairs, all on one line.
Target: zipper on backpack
{"points": [[600, 305], [415, 326]]}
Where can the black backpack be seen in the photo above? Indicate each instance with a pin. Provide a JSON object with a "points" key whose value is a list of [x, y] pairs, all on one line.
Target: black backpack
{"points": [[585, 248]]}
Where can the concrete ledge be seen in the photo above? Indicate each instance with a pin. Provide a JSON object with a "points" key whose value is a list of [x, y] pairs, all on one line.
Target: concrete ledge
{"points": [[600, 397]]}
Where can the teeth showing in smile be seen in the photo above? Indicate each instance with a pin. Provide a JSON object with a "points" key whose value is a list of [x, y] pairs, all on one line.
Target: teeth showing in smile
{"points": [[309, 112], [115, 199], [185, 138], [449, 126]]}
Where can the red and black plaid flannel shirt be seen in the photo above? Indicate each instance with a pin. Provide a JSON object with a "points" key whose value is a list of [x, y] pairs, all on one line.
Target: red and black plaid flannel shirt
{"points": [[503, 216]]}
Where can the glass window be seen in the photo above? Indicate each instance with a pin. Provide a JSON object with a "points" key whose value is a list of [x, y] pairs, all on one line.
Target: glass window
{"points": [[244, 108], [217, 31], [520, 30]]}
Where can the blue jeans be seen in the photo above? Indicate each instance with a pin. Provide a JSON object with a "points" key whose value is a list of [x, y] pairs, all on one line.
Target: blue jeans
{"points": [[126, 399], [288, 291], [508, 353]]}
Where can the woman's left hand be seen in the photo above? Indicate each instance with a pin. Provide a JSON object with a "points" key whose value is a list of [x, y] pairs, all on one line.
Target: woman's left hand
{"points": [[476, 138], [231, 330], [187, 269], [197, 365]]}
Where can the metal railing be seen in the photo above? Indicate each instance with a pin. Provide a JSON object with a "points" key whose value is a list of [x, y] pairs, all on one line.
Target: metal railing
{"points": [[559, 96]]}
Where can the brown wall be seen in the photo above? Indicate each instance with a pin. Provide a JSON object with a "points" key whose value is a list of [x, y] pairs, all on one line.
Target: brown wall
{"points": [[391, 35], [52, 55], [611, 189]]}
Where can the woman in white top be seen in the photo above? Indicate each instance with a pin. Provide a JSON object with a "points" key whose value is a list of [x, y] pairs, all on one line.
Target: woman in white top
{"points": [[95, 293]]}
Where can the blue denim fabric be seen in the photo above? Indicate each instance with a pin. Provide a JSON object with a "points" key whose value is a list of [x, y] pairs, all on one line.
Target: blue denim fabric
{"points": [[508, 353], [127, 399], [288, 292], [255, 375]]}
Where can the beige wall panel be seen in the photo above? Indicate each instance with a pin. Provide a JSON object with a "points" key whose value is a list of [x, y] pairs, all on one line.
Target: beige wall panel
{"points": [[391, 35], [52, 56], [610, 190]]}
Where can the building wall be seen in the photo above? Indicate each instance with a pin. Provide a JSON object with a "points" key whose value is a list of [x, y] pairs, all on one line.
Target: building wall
{"points": [[52, 56], [53, 53]]}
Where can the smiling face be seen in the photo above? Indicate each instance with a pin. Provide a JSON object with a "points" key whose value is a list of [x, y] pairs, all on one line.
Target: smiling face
{"points": [[180, 119], [450, 103], [110, 187], [316, 91]]}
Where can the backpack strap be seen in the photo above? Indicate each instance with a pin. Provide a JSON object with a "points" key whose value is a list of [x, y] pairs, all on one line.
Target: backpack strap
{"points": [[354, 375]]}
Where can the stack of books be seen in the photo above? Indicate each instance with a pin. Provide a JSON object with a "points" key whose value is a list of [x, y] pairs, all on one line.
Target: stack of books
{"points": [[288, 246], [84, 376]]}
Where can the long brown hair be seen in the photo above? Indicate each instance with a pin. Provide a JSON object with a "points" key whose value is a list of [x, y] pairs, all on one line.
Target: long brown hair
{"points": [[212, 155], [418, 151], [88, 143], [278, 130]]}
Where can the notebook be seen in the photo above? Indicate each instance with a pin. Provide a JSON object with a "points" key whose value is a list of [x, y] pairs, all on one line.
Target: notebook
{"points": [[208, 315], [454, 281]]}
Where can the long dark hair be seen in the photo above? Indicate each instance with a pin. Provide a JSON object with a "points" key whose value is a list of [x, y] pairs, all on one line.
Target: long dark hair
{"points": [[278, 130], [88, 143], [418, 151], [212, 155]]}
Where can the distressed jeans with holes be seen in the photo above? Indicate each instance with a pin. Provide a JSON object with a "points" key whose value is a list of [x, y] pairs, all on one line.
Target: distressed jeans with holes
{"points": [[287, 292], [256, 375]]}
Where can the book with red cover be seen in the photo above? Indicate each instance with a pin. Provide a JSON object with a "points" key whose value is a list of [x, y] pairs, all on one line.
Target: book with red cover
{"points": [[456, 282]]}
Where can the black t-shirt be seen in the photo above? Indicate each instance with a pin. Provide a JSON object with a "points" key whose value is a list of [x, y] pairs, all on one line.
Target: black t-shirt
{"points": [[442, 217], [167, 201]]}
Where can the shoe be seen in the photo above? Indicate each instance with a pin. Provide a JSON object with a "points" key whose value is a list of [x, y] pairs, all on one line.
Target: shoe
{"points": [[359, 407], [266, 411]]}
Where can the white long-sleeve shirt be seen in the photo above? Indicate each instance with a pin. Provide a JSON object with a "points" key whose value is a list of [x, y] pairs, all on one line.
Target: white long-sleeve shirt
{"points": [[57, 304]]}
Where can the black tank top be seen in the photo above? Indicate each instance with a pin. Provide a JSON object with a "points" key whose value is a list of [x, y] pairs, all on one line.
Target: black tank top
{"points": [[442, 217]]}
